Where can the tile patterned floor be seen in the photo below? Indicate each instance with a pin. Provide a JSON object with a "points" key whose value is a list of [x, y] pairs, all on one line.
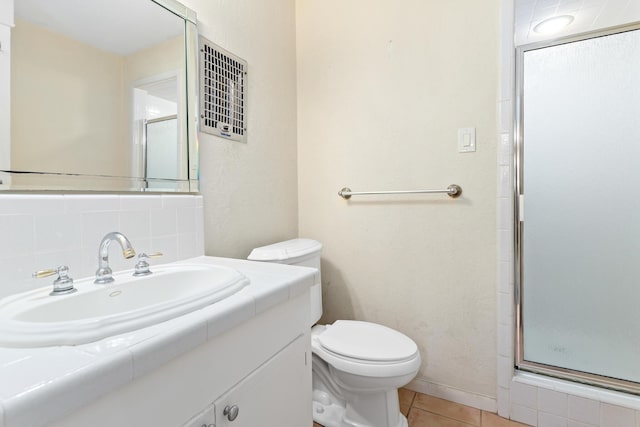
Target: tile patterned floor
{"points": [[427, 411]]}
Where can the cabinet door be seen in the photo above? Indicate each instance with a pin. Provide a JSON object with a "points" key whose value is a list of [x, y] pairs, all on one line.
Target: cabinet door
{"points": [[277, 394]]}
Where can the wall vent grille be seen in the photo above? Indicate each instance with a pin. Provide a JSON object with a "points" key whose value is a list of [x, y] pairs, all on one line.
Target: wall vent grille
{"points": [[223, 92]]}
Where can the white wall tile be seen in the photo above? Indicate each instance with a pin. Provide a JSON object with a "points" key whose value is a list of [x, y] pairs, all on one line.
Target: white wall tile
{"points": [[505, 277], [135, 224], [505, 115], [584, 410], [505, 341], [57, 232], [168, 245], [17, 233], [524, 394], [507, 13], [504, 181], [524, 415], [553, 402], [505, 240], [27, 204], [572, 423], [96, 225], [186, 219], [163, 222], [504, 402], [51, 230], [505, 150], [89, 263], [616, 416], [77, 203], [178, 201], [199, 231], [505, 309], [505, 214], [186, 245], [550, 420], [505, 371], [140, 203], [16, 274], [1, 416]]}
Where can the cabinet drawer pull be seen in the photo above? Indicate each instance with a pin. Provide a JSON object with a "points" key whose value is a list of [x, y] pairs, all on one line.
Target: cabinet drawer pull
{"points": [[231, 412]]}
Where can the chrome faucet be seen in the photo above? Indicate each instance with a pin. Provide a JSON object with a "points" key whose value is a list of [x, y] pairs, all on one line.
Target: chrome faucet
{"points": [[104, 272]]}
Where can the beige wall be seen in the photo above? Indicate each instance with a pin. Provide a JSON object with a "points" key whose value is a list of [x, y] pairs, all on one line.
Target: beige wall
{"points": [[63, 118], [250, 190], [382, 89]]}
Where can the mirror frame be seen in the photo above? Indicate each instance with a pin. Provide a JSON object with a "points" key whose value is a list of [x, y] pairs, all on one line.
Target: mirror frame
{"points": [[38, 181]]}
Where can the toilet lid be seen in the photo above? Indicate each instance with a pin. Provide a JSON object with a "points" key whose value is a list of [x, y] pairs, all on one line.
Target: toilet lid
{"points": [[367, 341]]}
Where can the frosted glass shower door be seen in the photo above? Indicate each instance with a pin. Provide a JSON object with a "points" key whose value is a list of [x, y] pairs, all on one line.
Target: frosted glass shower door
{"points": [[163, 154], [580, 235]]}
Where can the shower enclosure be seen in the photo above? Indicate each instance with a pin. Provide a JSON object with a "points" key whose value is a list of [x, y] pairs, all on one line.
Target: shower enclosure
{"points": [[578, 208]]}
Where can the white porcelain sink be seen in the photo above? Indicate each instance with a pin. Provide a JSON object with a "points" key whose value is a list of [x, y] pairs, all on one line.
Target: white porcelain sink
{"points": [[36, 319]]}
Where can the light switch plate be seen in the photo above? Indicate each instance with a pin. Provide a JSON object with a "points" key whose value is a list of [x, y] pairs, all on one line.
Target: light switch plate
{"points": [[466, 140]]}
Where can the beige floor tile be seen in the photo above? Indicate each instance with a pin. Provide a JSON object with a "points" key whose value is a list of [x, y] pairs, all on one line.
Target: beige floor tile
{"points": [[406, 400], [404, 409], [419, 418], [406, 396], [492, 420], [448, 409]]}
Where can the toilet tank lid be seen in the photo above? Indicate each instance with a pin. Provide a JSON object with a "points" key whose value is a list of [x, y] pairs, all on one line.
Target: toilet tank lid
{"points": [[289, 250]]}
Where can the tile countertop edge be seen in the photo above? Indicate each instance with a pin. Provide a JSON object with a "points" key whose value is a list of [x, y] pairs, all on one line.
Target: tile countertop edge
{"points": [[113, 364]]}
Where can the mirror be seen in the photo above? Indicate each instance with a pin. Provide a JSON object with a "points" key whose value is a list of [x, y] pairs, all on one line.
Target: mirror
{"points": [[103, 96]]}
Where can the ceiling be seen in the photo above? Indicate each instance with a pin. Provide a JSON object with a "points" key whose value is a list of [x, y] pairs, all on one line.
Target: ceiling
{"points": [[589, 15], [118, 26]]}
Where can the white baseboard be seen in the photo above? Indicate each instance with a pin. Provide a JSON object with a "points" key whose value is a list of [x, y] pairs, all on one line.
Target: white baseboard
{"points": [[478, 401]]}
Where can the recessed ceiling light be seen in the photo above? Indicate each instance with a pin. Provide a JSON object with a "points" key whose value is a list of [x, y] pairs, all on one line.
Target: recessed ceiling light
{"points": [[553, 25]]}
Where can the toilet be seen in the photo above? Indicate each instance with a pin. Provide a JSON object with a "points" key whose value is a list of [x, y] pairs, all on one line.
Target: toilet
{"points": [[357, 367]]}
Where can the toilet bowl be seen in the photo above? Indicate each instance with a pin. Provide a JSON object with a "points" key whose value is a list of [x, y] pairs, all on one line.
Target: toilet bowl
{"points": [[357, 367]]}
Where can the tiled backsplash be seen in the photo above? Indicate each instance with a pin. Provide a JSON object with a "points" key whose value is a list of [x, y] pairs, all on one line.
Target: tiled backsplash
{"points": [[45, 231]]}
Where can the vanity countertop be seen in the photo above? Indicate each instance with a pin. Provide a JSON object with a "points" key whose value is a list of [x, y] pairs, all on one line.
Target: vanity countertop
{"points": [[39, 385]]}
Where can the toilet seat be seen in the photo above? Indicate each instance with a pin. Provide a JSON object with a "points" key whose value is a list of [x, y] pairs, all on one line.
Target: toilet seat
{"points": [[364, 348]]}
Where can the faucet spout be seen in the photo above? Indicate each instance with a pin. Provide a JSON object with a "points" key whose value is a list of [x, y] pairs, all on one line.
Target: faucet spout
{"points": [[104, 274]]}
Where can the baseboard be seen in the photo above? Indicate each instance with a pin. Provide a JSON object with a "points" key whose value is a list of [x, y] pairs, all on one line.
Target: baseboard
{"points": [[474, 400]]}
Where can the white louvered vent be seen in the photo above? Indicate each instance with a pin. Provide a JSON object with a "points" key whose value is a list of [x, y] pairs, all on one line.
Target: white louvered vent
{"points": [[223, 92]]}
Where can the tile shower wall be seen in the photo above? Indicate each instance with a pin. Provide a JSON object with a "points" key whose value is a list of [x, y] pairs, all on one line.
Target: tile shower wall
{"points": [[45, 231], [527, 398]]}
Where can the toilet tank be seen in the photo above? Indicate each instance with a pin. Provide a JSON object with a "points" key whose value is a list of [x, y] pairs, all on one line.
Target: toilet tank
{"points": [[302, 252]]}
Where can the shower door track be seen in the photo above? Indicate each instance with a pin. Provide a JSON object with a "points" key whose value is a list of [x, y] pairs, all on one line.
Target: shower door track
{"points": [[520, 363], [565, 373]]}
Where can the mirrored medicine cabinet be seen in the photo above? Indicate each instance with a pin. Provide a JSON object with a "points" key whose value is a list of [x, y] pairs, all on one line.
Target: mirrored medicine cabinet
{"points": [[102, 97]]}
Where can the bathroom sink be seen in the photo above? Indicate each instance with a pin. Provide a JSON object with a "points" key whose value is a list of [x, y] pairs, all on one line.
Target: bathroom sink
{"points": [[94, 312]]}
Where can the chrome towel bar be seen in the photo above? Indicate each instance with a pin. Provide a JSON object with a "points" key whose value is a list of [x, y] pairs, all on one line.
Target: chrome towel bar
{"points": [[452, 191]]}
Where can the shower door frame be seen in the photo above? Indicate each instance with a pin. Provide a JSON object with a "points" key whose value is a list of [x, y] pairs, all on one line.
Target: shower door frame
{"points": [[518, 176]]}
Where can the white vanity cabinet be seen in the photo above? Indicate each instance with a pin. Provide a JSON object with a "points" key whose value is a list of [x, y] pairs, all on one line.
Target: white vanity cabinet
{"points": [[272, 392], [261, 365]]}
